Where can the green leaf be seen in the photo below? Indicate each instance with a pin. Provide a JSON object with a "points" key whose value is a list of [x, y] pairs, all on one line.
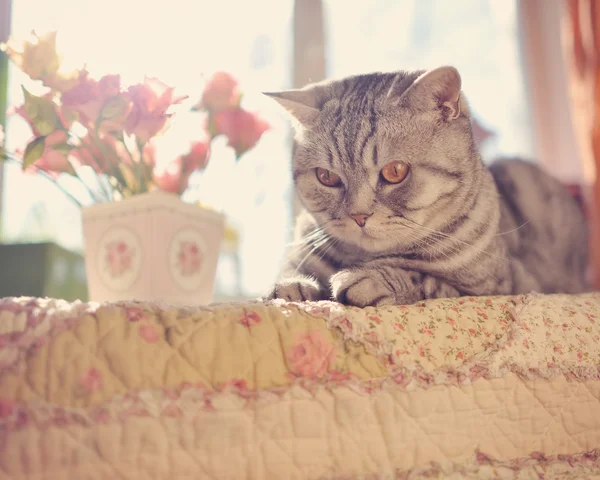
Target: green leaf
{"points": [[71, 169], [30, 105], [42, 112], [114, 107], [3, 155], [63, 148], [34, 151]]}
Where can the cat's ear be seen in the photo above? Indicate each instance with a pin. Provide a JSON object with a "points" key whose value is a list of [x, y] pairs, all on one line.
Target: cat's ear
{"points": [[437, 89], [300, 104]]}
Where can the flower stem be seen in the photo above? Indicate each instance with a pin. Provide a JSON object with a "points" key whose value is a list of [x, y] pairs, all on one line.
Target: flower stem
{"points": [[49, 177]]}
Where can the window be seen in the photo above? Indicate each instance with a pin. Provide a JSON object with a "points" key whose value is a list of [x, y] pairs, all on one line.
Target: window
{"points": [[479, 37]]}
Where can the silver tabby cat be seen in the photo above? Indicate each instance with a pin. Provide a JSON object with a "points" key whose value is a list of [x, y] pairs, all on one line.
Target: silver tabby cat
{"points": [[398, 206]]}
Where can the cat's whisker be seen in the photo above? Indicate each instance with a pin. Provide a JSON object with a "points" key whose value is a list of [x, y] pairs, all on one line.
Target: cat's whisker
{"points": [[454, 238], [513, 230], [306, 239], [314, 248], [454, 249]]}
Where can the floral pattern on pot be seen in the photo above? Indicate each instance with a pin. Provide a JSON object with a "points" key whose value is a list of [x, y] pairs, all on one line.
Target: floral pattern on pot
{"points": [[119, 258], [187, 255], [189, 260]]}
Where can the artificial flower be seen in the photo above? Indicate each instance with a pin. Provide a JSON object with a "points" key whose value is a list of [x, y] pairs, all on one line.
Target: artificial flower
{"points": [[221, 92], [92, 99], [174, 177], [150, 102], [37, 58], [148, 155], [243, 129], [64, 115], [170, 177], [113, 128], [53, 161], [98, 152], [197, 158], [61, 81]]}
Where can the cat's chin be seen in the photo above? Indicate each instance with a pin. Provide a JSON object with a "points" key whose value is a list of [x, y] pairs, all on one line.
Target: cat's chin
{"points": [[368, 242]]}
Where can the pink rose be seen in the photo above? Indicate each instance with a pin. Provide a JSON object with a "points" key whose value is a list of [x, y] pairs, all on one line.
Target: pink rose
{"points": [[235, 384], [149, 333], [101, 416], [91, 380], [170, 177], [400, 379], [221, 92], [312, 355], [250, 319], [89, 97], [7, 407], [149, 116], [135, 314], [243, 129], [172, 411], [174, 177], [197, 157]]}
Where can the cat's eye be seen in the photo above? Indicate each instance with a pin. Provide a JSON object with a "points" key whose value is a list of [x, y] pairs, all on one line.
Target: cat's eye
{"points": [[394, 172], [328, 178]]}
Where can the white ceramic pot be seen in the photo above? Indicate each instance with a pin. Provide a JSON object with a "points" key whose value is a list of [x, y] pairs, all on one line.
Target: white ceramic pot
{"points": [[152, 247]]}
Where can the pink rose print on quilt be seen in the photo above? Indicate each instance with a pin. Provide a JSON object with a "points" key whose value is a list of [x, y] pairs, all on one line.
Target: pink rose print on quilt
{"points": [[250, 319], [91, 380], [149, 333], [7, 407], [189, 259], [312, 355], [119, 258]]}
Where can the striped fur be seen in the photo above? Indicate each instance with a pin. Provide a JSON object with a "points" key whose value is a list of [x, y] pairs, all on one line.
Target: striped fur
{"points": [[453, 227]]}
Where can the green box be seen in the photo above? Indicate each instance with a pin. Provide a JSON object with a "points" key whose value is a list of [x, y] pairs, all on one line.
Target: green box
{"points": [[42, 270]]}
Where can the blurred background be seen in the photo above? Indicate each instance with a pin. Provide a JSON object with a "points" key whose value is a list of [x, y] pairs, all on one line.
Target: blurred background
{"points": [[511, 55]]}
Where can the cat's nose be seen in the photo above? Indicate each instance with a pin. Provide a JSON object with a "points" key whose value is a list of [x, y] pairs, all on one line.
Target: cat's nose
{"points": [[360, 219]]}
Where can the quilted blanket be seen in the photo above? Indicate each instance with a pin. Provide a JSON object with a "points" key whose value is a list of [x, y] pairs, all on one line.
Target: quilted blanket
{"points": [[500, 387]]}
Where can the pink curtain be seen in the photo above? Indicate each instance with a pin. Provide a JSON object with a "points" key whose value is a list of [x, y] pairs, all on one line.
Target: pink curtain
{"points": [[581, 37]]}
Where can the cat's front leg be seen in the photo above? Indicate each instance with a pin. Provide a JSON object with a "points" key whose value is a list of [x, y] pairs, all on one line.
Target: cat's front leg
{"points": [[298, 289], [363, 287]]}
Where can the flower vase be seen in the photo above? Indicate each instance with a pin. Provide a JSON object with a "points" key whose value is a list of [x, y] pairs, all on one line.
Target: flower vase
{"points": [[152, 247]]}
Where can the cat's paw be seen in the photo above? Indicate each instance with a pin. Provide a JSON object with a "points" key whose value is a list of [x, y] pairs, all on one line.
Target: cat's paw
{"points": [[361, 288], [297, 289]]}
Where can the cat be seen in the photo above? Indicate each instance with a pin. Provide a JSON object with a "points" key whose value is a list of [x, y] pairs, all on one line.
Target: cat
{"points": [[399, 207]]}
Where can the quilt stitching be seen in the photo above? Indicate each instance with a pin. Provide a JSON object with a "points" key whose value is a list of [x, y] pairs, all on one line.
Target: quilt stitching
{"points": [[501, 363]]}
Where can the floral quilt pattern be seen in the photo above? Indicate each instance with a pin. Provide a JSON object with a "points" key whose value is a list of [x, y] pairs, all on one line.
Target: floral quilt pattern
{"points": [[75, 365]]}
